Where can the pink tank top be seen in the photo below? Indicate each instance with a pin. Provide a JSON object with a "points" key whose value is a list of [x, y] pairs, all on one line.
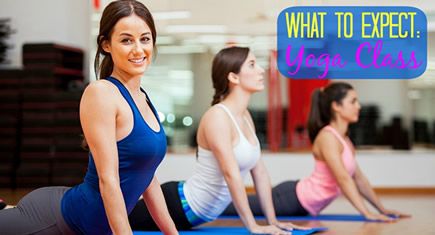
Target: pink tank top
{"points": [[321, 188]]}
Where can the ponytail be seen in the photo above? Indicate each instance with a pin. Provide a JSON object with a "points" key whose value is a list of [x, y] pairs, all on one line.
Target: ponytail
{"points": [[219, 95], [321, 101], [216, 99], [319, 116], [104, 69]]}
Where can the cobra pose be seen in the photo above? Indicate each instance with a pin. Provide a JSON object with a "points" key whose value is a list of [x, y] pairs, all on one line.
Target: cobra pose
{"points": [[123, 133], [228, 150], [336, 169]]}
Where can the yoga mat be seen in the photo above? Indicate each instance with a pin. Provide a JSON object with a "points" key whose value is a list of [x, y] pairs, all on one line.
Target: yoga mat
{"points": [[226, 231], [325, 217]]}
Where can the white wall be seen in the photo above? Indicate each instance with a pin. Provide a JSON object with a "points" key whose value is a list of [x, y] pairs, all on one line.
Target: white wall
{"points": [[60, 21], [386, 168]]}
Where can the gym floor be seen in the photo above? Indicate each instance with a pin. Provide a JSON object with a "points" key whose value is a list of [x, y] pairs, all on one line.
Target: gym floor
{"points": [[421, 206]]}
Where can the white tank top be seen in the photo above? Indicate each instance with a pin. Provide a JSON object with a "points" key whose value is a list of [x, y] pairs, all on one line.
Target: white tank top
{"points": [[206, 191]]}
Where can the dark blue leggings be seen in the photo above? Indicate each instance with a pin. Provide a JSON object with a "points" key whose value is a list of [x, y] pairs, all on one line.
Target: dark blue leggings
{"points": [[140, 218], [284, 198]]}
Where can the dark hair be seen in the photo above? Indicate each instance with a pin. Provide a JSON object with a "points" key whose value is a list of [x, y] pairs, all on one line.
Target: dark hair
{"points": [[226, 61], [111, 15], [321, 106]]}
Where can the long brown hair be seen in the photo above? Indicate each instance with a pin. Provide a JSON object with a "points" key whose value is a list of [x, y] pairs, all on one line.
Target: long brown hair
{"points": [[116, 10], [226, 61], [103, 63], [321, 106]]}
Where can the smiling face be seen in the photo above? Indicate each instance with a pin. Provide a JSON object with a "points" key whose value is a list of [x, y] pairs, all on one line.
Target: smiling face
{"points": [[251, 75], [130, 46], [349, 107]]}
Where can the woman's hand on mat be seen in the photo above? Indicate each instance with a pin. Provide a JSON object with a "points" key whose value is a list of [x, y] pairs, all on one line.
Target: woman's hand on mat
{"points": [[268, 229], [395, 214], [289, 226], [379, 217]]}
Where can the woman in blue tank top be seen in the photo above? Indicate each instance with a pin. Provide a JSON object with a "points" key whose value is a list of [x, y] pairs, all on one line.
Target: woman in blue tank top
{"points": [[124, 135]]}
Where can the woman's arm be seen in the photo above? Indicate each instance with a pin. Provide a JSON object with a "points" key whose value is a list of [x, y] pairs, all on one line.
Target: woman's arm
{"points": [[98, 113], [216, 127], [331, 149], [263, 187], [262, 184], [155, 202], [366, 190], [369, 194]]}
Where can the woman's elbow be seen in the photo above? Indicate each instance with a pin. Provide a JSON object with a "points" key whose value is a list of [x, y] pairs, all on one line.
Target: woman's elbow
{"points": [[108, 182], [229, 175], [344, 180]]}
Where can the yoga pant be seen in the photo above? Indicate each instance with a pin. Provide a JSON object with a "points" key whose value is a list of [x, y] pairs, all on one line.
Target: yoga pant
{"points": [[140, 218], [38, 212], [284, 198]]}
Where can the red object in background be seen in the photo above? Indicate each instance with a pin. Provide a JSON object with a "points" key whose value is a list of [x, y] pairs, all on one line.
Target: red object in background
{"points": [[299, 103], [97, 4], [274, 111]]}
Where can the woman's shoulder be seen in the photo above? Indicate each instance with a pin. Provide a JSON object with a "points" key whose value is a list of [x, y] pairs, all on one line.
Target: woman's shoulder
{"points": [[215, 115], [214, 123], [99, 94], [101, 85], [326, 138], [100, 88], [216, 118]]}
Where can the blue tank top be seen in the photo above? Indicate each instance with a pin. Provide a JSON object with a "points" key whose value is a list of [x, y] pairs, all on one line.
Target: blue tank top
{"points": [[139, 154]]}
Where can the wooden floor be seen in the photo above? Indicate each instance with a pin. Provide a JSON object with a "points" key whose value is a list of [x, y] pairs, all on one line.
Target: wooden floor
{"points": [[422, 222], [421, 206]]}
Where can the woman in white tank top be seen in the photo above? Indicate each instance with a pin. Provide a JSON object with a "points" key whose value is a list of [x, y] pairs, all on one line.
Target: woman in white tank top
{"points": [[228, 150]]}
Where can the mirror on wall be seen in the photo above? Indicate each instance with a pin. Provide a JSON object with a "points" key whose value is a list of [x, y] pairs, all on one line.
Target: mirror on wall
{"points": [[421, 94]]}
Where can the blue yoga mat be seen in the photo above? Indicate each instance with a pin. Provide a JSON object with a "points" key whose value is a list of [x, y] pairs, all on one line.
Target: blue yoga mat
{"points": [[325, 217], [228, 230]]}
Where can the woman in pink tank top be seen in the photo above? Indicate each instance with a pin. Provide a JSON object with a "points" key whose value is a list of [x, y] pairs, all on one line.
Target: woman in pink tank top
{"points": [[336, 170]]}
